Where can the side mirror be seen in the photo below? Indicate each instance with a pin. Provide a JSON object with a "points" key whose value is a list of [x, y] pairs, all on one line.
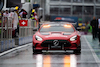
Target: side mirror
{"points": [[34, 29]]}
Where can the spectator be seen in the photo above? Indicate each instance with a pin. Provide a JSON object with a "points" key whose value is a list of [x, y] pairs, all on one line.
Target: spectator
{"points": [[23, 13], [5, 15], [11, 14], [11, 17], [33, 15], [39, 20], [20, 13], [15, 23], [0, 20], [99, 30], [86, 28], [94, 24], [1, 14]]}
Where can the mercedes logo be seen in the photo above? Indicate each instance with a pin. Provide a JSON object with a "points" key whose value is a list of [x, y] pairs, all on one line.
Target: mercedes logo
{"points": [[56, 42]]}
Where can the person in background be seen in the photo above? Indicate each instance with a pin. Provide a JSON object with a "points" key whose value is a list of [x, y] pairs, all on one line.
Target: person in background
{"points": [[39, 20], [32, 16], [90, 28], [20, 13], [5, 19], [17, 10], [11, 17], [0, 17], [2, 13], [6, 13], [23, 13], [15, 22], [11, 14], [0, 20], [86, 28], [99, 30], [94, 24]]}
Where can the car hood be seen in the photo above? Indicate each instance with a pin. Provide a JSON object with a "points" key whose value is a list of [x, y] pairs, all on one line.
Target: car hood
{"points": [[55, 35]]}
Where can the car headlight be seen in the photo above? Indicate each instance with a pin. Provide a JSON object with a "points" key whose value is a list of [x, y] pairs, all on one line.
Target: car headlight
{"points": [[73, 38], [38, 38]]}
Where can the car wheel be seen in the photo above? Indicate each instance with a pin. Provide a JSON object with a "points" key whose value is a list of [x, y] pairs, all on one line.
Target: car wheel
{"points": [[78, 50], [36, 51]]}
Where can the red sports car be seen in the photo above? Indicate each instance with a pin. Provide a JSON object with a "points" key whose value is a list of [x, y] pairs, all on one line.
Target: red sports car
{"points": [[56, 36]]}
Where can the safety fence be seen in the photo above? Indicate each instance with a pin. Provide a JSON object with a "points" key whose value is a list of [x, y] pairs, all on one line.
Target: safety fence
{"points": [[6, 33], [26, 32], [6, 41]]}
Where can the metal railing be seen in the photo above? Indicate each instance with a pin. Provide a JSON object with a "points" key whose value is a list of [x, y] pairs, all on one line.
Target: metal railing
{"points": [[6, 41], [27, 30], [6, 28]]}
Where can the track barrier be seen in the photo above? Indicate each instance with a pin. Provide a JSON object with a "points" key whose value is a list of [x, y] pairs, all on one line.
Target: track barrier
{"points": [[6, 41], [6, 33], [26, 32]]}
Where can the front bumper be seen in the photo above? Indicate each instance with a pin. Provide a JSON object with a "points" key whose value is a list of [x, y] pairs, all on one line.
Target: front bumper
{"points": [[63, 45]]}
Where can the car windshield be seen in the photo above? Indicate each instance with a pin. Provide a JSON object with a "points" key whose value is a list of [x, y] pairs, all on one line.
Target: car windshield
{"points": [[56, 28]]}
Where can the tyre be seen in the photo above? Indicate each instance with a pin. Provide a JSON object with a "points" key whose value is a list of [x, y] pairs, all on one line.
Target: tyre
{"points": [[36, 51], [78, 50]]}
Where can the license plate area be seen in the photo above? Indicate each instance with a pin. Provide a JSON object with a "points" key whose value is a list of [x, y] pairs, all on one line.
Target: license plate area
{"points": [[56, 47]]}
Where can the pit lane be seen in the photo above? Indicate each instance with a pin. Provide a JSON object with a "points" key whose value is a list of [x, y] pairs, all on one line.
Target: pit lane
{"points": [[23, 57]]}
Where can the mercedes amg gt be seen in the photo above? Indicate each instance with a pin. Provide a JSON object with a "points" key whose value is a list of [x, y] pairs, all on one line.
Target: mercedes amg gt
{"points": [[56, 36]]}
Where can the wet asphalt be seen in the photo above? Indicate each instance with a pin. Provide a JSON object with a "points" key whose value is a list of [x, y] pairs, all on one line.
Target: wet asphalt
{"points": [[24, 58]]}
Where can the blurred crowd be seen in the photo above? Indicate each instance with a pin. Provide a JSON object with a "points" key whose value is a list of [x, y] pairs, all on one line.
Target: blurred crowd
{"points": [[16, 15], [93, 26], [95, 23]]}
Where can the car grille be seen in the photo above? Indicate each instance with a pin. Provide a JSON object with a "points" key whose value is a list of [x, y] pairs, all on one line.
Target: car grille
{"points": [[46, 43]]}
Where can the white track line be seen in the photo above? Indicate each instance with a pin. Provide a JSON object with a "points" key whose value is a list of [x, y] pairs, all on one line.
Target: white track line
{"points": [[13, 49], [73, 61], [39, 60], [94, 54]]}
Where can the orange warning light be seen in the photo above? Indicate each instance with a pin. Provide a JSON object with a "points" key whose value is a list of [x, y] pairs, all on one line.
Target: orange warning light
{"points": [[67, 26], [46, 26]]}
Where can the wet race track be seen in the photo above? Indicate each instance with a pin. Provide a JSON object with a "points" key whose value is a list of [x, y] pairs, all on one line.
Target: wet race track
{"points": [[24, 58]]}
